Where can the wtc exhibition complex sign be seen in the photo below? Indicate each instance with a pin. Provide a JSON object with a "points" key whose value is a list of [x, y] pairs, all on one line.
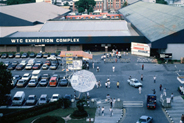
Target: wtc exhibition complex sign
{"points": [[140, 49]]}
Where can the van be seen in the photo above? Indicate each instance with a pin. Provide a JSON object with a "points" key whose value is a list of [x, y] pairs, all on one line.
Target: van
{"points": [[151, 101], [18, 98], [36, 75], [53, 81]]}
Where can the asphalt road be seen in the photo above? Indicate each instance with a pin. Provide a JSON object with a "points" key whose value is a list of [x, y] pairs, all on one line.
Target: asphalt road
{"points": [[126, 92]]}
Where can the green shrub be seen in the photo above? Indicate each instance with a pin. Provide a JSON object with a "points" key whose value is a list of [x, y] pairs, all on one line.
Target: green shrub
{"points": [[50, 119], [79, 114]]}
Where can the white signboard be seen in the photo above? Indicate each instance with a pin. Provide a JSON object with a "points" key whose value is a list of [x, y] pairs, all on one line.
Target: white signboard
{"points": [[140, 49], [76, 65]]}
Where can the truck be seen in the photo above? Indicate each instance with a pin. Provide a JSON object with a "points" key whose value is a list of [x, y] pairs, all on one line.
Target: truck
{"points": [[36, 75]]}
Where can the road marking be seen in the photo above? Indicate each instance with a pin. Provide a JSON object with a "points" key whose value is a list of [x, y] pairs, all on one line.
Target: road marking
{"points": [[178, 74]]}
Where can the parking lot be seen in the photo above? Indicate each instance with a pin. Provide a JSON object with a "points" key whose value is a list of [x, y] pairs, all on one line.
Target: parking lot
{"points": [[123, 71]]}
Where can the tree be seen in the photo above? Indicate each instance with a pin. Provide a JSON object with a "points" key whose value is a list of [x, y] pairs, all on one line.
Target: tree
{"points": [[83, 5], [125, 4], [13, 2], [5, 82], [66, 4], [161, 1]]}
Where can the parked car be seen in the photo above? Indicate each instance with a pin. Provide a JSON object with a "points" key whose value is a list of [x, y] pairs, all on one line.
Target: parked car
{"points": [[55, 97], [39, 55], [45, 55], [13, 65], [68, 96], [45, 76], [28, 66], [48, 62], [3, 56], [26, 76], [17, 55], [24, 55], [18, 98], [55, 62], [11, 55], [53, 67], [43, 99], [39, 62], [45, 67], [7, 63], [63, 82], [22, 83], [134, 82], [57, 76], [43, 82], [36, 66], [32, 55], [36, 75], [33, 83], [16, 78], [145, 119], [19, 67], [53, 81], [31, 100], [23, 62]]}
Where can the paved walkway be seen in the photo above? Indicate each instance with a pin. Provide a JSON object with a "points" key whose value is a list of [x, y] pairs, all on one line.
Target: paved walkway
{"points": [[176, 110], [117, 113]]}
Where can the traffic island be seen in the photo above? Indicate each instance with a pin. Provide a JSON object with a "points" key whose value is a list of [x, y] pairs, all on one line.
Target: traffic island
{"points": [[181, 79]]}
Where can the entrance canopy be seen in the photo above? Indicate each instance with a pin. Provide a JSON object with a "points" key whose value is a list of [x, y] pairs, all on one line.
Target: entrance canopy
{"points": [[76, 53]]}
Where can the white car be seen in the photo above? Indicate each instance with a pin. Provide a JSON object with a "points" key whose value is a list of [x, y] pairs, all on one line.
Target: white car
{"points": [[26, 76], [23, 62], [134, 82], [28, 66], [55, 97]]}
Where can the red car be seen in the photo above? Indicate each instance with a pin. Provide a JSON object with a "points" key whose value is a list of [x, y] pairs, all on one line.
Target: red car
{"points": [[48, 62], [36, 67]]}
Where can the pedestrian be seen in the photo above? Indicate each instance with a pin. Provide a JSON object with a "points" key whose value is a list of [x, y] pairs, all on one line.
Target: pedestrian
{"points": [[99, 111], [141, 77], [117, 84], [154, 79], [182, 118], [154, 92], [116, 60], [104, 61], [124, 53], [108, 79], [103, 111], [97, 69], [108, 97], [106, 84], [142, 66], [111, 111], [130, 77], [172, 96], [113, 68], [87, 94], [109, 84], [96, 84], [99, 84], [160, 87], [110, 102], [140, 89], [93, 64], [113, 102], [164, 91]]}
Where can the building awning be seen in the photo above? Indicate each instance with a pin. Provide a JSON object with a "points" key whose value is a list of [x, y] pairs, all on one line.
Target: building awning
{"points": [[76, 53]]}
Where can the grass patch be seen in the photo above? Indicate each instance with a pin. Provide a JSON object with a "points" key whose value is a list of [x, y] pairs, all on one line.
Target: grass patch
{"points": [[63, 113], [7, 111]]}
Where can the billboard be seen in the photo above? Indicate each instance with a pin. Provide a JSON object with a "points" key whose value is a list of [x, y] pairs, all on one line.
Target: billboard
{"points": [[140, 49]]}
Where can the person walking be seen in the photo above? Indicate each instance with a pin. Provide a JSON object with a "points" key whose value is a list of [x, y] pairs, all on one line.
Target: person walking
{"points": [[93, 64], [108, 79], [106, 84], [142, 66], [172, 96], [99, 111], [154, 79], [160, 87], [110, 102], [109, 84], [117, 84], [164, 91], [103, 111], [116, 60], [97, 69], [140, 89], [111, 111], [130, 77], [113, 68], [104, 61], [141, 77], [154, 92], [113, 102], [99, 84]]}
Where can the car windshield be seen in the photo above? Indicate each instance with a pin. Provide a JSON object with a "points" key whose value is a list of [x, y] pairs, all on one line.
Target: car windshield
{"points": [[31, 98], [142, 120], [42, 81], [63, 80], [21, 81], [44, 65], [136, 81], [42, 99], [52, 81], [16, 98], [32, 81], [55, 97], [25, 75]]}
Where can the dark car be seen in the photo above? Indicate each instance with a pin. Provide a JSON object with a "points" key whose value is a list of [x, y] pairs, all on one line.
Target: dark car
{"points": [[67, 96], [19, 67], [53, 54], [36, 67], [45, 76], [151, 101], [39, 55], [7, 63], [32, 55], [16, 78], [11, 67], [43, 82], [45, 55], [24, 55], [55, 62], [11, 55], [31, 100], [17, 55], [3, 56], [63, 82], [39, 62], [48, 62]]}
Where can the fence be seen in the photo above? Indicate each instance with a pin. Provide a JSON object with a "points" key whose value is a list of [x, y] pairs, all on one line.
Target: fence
{"points": [[146, 60]]}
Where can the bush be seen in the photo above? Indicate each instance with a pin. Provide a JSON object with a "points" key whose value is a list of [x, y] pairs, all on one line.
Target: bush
{"points": [[50, 119], [79, 114]]}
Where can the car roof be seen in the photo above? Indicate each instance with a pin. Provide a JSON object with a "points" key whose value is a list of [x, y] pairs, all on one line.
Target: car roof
{"points": [[144, 117], [55, 95], [43, 95], [16, 75], [43, 80], [26, 74], [133, 79], [31, 95]]}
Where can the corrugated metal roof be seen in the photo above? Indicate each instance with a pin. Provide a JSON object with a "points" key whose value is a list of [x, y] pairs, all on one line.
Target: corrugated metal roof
{"points": [[32, 12], [155, 21]]}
